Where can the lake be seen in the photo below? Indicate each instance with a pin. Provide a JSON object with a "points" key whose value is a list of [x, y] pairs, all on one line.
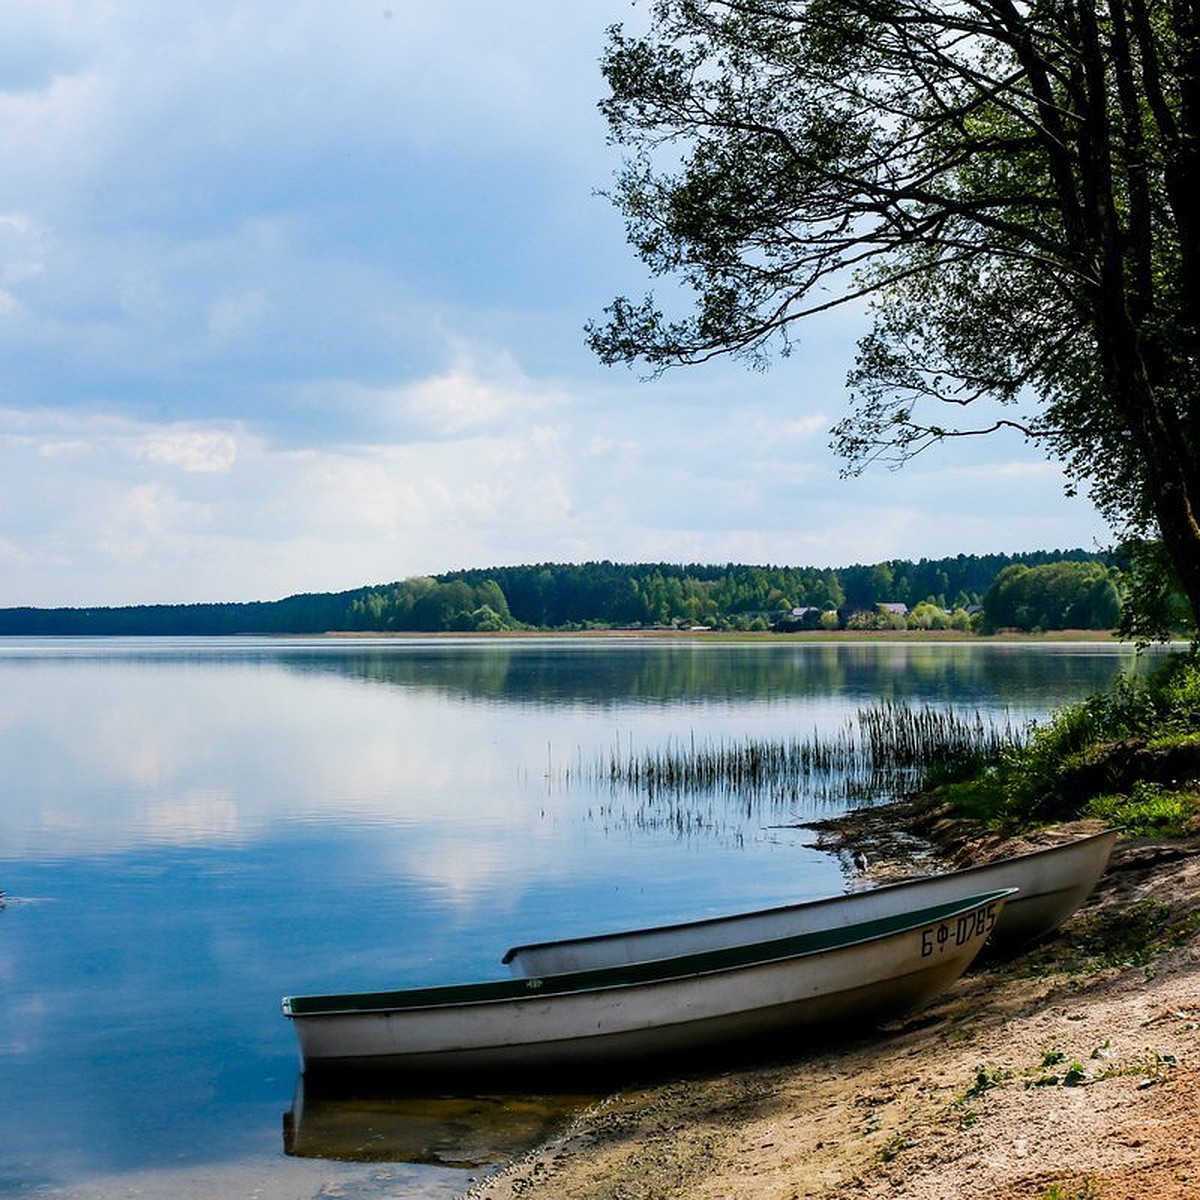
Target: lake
{"points": [[190, 829]]}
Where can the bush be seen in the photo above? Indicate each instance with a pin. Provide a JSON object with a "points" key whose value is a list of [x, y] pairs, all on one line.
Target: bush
{"points": [[1127, 755], [1177, 687]]}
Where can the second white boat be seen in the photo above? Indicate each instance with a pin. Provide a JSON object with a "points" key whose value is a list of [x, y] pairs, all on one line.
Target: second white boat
{"points": [[1051, 884]]}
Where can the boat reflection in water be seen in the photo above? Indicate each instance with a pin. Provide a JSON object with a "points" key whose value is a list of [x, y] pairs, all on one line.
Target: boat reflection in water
{"points": [[352, 1122]]}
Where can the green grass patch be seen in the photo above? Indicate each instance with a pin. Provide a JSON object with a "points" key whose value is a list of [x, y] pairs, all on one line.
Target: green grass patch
{"points": [[985, 1079], [1148, 810]]}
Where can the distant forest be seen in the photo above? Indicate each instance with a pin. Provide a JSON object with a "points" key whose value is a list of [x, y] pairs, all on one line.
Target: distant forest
{"points": [[1040, 590]]}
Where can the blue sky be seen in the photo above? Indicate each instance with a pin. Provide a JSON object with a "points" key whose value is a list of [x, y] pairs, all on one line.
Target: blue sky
{"points": [[292, 299]]}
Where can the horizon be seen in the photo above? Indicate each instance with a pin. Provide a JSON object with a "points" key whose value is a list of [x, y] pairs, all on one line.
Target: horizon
{"points": [[1065, 550]]}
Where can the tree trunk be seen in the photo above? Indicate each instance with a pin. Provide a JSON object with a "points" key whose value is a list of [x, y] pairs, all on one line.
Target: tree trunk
{"points": [[1146, 377]]}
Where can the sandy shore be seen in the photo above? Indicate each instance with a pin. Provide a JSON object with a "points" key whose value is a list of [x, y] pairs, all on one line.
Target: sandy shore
{"points": [[1050, 1076]]}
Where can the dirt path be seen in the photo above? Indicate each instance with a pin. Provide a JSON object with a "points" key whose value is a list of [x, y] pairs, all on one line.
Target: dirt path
{"points": [[1046, 1077]]}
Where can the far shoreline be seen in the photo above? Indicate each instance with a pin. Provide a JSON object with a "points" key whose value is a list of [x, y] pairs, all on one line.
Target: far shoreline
{"points": [[866, 636]]}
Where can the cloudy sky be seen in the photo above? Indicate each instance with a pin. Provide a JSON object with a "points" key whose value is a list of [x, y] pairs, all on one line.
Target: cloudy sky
{"points": [[292, 298]]}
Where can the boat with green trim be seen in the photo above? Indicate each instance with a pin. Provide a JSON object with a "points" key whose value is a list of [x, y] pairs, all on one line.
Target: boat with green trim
{"points": [[858, 973], [1051, 882]]}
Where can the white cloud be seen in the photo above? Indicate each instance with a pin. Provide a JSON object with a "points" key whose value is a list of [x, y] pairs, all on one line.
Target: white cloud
{"points": [[10, 552], [468, 398], [456, 402], [145, 522], [194, 451]]}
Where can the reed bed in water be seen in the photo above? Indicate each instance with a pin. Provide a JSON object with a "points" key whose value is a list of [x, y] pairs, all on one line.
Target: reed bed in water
{"points": [[884, 750], [930, 738]]}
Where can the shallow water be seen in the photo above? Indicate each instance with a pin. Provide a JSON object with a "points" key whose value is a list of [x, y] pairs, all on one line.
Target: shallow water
{"points": [[191, 829]]}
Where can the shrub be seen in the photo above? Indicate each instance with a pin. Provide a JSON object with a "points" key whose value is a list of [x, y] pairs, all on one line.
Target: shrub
{"points": [[1122, 755], [1148, 810]]}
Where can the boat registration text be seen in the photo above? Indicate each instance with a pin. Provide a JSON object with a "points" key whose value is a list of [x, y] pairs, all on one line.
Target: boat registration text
{"points": [[935, 939]]}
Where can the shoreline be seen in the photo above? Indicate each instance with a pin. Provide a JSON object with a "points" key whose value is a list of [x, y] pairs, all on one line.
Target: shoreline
{"points": [[1040, 1075], [1104, 637]]}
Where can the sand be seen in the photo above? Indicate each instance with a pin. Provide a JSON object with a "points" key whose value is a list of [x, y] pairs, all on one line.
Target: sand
{"points": [[1047, 1076]]}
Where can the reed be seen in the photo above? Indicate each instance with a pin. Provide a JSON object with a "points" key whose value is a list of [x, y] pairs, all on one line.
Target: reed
{"points": [[931, 738], [883, 750]]}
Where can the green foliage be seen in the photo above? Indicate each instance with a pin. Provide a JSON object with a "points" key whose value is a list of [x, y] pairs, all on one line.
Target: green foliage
{"points": [[1063, 595], [1177, 691], [939, 163], [568, 596], [879, 617], [1087, 1190], [1075, 1075], [1130, 756], [1149, 810], [1112, 737], [427, 605], [1153, 608], [982, 797], [1036, 771], [935, 616], [985, 1079]]}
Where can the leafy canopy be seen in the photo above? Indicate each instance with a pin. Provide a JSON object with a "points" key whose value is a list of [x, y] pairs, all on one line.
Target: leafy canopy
{"points": [[1007, 189]]}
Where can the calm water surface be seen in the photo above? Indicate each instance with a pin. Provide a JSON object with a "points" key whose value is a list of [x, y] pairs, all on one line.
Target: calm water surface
{"points": [[191, 829]]}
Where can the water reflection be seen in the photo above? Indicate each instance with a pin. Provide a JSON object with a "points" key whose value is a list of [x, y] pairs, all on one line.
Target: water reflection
{"points": [[642, 670], [464, 1132], [610, 671]]}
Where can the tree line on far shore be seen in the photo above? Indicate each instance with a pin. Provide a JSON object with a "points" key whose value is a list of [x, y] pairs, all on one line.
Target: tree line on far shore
{"points": [[1043, 590]]}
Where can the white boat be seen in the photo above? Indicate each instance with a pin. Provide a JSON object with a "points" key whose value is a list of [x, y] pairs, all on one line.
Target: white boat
{"points": [[596, 1018], [1051, 884]]}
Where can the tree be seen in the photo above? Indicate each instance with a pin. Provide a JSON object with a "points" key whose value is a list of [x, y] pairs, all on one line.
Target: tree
{"points": [[1063, 595], [1008, 185], [1154, 608]]}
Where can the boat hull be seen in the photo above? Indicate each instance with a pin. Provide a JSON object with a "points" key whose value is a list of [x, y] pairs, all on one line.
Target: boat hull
{"points": [[621, 1014], [1051, 884]]}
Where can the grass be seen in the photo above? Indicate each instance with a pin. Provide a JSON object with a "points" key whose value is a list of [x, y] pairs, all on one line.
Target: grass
{"points": [[1129, 756], [1147, 810], [985, 1079]]}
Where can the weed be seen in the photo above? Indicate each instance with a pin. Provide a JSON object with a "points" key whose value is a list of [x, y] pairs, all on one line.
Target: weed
{"points": [[983, 798], [886, 748], [1127, 755], [1041, 1075], [1075, 1075], [1153, 1068], [984, 1081], [1087, 1190], [1042, 1081], [1149, 810], [895, 1147]]}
